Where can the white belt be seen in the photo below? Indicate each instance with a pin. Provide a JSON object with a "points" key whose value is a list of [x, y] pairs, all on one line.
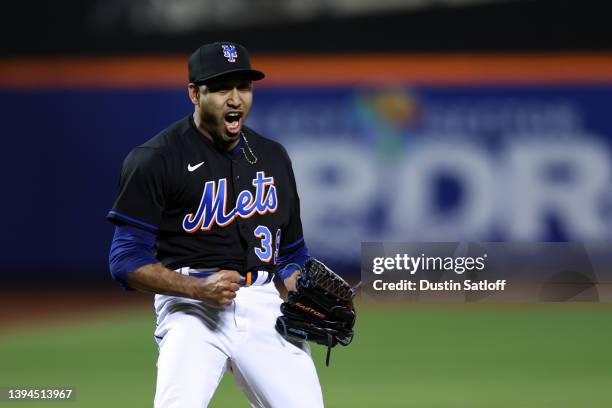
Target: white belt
{"points": [[252, 278]]}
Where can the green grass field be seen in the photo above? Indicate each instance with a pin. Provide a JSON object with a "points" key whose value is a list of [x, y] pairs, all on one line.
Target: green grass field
{"points": [[453, 355]]}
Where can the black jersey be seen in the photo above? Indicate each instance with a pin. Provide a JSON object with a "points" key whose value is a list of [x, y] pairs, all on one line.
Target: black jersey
{"points": [[211, 209]]}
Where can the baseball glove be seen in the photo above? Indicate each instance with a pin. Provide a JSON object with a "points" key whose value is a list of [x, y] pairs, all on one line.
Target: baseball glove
{"points": [[321, 310]]}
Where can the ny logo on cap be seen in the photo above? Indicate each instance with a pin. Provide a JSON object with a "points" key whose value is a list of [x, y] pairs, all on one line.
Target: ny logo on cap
{"points": [[229, 52]]}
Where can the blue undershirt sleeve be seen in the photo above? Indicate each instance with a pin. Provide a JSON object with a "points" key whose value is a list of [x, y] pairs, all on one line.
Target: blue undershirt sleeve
{"points": [[290, 262], [131, 248]]}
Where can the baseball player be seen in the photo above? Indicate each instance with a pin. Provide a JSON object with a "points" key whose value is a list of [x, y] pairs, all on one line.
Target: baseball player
{"points": [[207, 213]]}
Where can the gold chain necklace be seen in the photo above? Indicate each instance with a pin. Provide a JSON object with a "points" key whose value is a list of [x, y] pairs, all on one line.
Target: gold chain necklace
{"points": [[246, 142]]}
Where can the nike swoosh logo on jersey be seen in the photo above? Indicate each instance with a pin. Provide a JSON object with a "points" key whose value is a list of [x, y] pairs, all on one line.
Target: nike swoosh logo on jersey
{"points": [[193, 168]]}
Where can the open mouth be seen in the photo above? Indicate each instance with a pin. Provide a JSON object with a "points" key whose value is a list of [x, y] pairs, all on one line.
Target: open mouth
{"points": [[233, 122]]}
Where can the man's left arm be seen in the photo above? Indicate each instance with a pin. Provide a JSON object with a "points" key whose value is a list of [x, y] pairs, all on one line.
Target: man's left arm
{"points": [[293, 252], [290, 264]]}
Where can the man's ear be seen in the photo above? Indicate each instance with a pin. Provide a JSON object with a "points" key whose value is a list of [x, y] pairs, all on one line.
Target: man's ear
{"points": [[194, 93]]}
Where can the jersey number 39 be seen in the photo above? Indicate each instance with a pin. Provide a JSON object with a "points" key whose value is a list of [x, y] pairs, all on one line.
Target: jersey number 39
{"points": [[266, 252]]}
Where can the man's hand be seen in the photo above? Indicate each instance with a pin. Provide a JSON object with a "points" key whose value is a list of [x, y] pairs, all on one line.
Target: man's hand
{"points": [[290, 282], [219, 289]]}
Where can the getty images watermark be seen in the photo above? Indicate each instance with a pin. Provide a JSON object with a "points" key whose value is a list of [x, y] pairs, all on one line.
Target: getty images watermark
{"points": [[414, 264], [481, 271]]}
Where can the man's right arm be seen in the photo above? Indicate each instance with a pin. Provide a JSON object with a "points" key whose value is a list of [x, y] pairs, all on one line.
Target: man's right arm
{"points": [[132, 263]]}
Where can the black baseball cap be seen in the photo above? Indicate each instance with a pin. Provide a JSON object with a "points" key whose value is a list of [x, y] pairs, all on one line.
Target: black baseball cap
{"points": [[220, 58]]}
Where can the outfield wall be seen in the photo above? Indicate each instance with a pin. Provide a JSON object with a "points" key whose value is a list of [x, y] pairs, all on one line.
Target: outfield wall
{"points": [[385, 148]]}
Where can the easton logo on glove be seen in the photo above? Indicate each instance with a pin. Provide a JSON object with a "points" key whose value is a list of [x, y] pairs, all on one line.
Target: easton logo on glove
{"points": [[310, 310], [321, 310]]}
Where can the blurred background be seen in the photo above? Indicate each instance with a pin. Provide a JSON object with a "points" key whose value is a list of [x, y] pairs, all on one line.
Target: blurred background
{"points": [[413, 120]]}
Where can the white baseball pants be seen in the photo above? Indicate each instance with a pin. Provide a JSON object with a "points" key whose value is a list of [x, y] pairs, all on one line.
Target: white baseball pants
{"points": [[198, 343]]}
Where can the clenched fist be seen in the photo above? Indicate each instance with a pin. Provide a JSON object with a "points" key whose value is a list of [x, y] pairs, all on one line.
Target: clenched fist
{"points": [[219, 288]]}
